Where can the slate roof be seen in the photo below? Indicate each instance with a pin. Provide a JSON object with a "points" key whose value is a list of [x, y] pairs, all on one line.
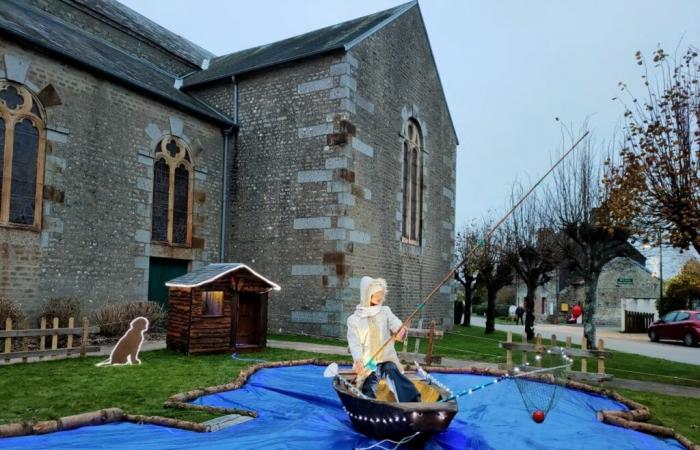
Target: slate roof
{"points": [[212, 272], [340, 36], [124, 17], [51, 33]]}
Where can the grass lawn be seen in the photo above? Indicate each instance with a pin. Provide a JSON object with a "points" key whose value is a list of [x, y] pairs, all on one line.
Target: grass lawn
{"points": [[52, 389], [681, 414], [470, 343]]}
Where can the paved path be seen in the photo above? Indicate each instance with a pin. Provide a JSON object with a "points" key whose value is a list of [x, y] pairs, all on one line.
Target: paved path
{"points": [[625, 342]]}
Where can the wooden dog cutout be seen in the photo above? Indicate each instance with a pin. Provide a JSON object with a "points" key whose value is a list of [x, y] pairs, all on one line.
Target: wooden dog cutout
{"points": [[126, 352]]}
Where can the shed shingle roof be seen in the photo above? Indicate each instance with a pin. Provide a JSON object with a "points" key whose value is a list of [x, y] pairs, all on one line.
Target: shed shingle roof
{"points": [[340, 36], [212, 272], [51, 33]]}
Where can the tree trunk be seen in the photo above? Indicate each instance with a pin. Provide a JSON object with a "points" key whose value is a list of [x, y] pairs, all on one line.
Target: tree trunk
{"points": [[467, 306], [491, 312], [459, 310], [589, 309], [530, 312]]}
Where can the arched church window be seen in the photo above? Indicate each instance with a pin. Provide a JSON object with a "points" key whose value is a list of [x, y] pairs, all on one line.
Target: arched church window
{"points": [[412, 184], [22, 143], [173, 182]]}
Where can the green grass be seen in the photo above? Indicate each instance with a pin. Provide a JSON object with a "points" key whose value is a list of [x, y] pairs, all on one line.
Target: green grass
{"points": [[52, 389], [470, 343], [678, 413]]}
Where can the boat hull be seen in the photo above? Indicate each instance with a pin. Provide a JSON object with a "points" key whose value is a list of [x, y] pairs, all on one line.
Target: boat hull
{"points": [[384, 420]]}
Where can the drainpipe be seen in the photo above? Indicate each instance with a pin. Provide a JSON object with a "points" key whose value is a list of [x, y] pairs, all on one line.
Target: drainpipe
{"points": [[228, 132]]}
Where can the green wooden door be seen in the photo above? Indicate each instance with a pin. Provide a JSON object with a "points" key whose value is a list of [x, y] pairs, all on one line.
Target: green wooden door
{"points": [[160, 271]]}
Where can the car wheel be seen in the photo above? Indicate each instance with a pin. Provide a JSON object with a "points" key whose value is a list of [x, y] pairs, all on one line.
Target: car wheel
{"points": [[690, 340], [653, 336]]}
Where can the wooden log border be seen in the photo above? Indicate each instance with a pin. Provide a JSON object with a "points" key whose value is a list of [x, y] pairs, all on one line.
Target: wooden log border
{"points": [[634, 419]]}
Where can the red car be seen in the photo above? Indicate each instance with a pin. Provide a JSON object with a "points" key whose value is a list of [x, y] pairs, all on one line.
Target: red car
{"points": [[679, 326]]}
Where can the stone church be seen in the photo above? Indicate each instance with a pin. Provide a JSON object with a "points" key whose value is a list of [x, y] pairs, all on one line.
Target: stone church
{"points": [[129, 155]]}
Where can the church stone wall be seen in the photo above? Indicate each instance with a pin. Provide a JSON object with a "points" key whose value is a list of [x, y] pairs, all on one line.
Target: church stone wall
{"points": [[95, 238]]}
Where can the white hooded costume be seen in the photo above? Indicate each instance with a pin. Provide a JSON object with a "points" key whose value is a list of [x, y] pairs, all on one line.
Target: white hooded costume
{"points": [[370, 326]]}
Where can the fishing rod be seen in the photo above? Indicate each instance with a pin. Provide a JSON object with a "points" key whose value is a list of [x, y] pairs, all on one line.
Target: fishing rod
{"points": [[371, 363]]}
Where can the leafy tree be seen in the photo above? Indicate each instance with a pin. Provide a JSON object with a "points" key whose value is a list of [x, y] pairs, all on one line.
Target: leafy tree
{"points": [[588, 236], [531, 251], [656, 183], [494, 268], [467, 241], [682, 289]]}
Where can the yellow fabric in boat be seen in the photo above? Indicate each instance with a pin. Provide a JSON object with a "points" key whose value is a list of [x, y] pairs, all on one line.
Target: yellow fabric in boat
{"points": [[428, 394]]}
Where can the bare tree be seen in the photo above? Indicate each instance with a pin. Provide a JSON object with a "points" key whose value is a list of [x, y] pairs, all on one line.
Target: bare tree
{"points": [[494, 269], [467, 275], [656, 184], [531, 250], [588, 237]]}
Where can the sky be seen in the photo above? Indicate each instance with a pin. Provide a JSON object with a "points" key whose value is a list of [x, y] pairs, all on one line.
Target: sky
{"points": [[508, 67]]}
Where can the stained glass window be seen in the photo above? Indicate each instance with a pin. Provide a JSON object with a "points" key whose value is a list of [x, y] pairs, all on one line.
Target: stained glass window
{"points": [[181, 204], [21, 156], [172, 191], [161, 187], [412, 184]]}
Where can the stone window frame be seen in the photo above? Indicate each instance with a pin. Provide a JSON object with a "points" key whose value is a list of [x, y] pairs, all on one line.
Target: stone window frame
{"points": [[183, 158], [33, 110], [412, 150]]}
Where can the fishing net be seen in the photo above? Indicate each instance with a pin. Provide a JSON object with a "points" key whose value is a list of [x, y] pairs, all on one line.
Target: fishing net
{"points": [[541, 380]]}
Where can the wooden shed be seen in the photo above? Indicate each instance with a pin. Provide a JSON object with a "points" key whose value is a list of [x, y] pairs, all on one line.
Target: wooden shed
{"points": [[218, 308]]}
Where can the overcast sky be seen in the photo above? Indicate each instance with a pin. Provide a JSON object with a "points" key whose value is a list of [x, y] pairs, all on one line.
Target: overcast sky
{"points": [[509, 67]]}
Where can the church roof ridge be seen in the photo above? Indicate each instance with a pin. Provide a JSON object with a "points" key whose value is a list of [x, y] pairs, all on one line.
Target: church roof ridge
{"points": [[341, 36]]}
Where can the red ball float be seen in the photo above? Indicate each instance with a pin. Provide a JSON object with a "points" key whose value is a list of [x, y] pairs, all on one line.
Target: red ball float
{"points": [[538, 416]]}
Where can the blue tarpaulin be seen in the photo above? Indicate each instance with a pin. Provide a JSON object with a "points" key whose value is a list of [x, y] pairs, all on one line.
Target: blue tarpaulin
{"points": [[298, 409]]}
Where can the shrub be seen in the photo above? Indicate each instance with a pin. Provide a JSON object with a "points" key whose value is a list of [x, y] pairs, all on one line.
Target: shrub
{"points": [[63, 308], [10, 310], [479, 309], [114, 319]]}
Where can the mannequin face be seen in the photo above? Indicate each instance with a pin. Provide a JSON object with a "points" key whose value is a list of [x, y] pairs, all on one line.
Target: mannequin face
{"points": [[376, 298]]}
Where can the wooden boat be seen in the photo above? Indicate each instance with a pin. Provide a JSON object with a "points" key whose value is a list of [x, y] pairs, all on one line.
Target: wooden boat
{"points": [[384, 418]]}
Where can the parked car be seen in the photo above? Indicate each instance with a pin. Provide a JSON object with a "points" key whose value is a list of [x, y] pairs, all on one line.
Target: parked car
{"points": [[677, 325]]}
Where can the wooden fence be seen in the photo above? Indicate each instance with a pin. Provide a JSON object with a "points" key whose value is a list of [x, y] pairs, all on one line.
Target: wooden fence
{"points": [[538, 349], [418, 333], [9, 334], [637, 322]]}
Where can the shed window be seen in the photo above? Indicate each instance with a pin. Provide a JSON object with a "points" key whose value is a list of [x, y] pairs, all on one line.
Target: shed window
{"points": [[213, 303], [22, 138], [412, 184], [173, 182]]}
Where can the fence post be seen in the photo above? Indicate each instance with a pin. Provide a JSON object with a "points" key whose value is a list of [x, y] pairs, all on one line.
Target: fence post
{"points": [[431, 336], [509, 353], [42, 339], [416, 349], [584, 362], [69, 344], [8, 340], [25, 340], [524, 351], [54, 338], [601, 357], [83, 340], [538, 350]]}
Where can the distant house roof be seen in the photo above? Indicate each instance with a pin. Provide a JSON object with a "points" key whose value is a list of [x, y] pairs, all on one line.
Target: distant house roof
{"points": [[130, 21], [52, 34], [340, 36], [212, 272]]}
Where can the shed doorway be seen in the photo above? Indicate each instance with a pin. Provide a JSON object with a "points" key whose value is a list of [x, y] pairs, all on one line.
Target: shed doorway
{"points": [[248, 323]]}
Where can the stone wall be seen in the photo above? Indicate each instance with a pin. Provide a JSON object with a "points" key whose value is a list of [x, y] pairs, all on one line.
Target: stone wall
{"points": [[316, 194], [622, 278], [95, 238]]}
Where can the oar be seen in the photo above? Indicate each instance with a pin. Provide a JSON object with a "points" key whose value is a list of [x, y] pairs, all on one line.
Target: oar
{"points": [[332, 372], [371, 363]]}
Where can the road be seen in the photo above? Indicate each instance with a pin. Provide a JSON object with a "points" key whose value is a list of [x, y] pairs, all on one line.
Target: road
{"points": [[614, 340]]}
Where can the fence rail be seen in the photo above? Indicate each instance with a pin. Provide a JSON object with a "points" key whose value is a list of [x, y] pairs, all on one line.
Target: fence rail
{"points": [[637, 322], [538, 349], [10, 334]]}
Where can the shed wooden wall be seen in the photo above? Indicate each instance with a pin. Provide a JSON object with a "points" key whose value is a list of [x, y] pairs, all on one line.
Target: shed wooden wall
{"points": [[178, 319], [211, 334]]}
